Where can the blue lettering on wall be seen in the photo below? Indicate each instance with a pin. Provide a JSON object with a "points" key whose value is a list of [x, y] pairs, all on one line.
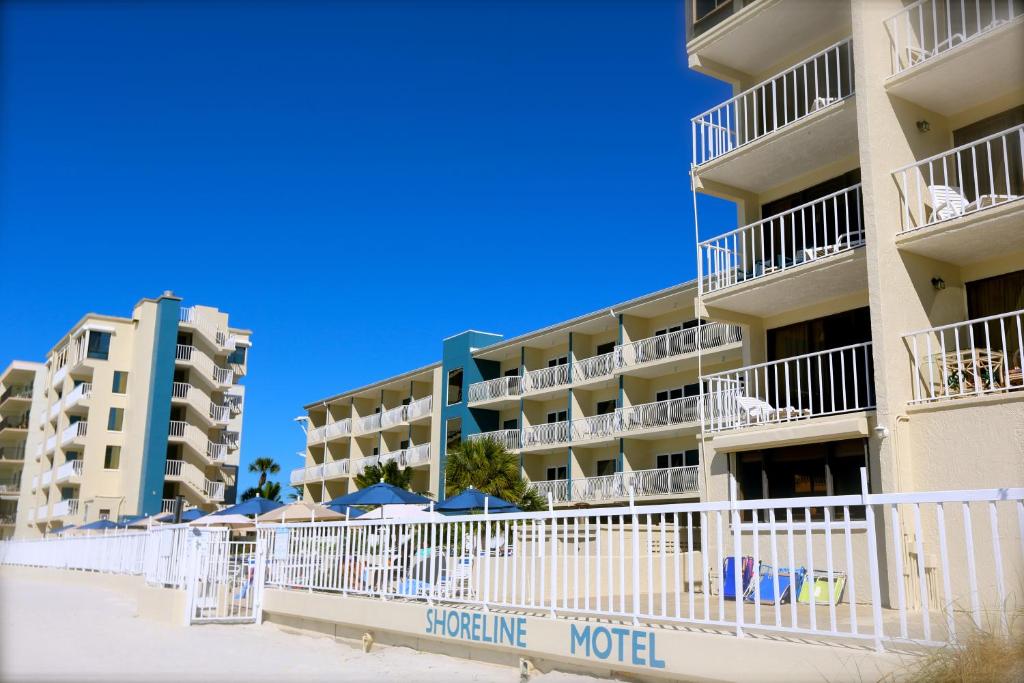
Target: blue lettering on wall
{"points": [[477, 627], [602, 642]]}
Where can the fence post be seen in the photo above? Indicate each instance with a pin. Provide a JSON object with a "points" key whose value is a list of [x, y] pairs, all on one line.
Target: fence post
{"points": [[876, 592], [554, 554], [191, 578], [635, 527], [737, 553], [486, 592], [261, 575]]}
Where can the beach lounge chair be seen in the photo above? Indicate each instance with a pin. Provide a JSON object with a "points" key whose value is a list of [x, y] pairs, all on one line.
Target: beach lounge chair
{"points": [[763, 589], [459, 582], [729, 576], [948, 201], [819, 584], [757, 410], [822, 102], [916, 55]]}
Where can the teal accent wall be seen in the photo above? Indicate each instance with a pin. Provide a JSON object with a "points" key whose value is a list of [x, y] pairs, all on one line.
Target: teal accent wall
{"points": [[457, 352], [158, 406]]}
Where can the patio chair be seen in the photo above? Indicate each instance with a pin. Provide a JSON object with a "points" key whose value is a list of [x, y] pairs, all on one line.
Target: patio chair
{"points": [[763, 589], [916, 55], [847, 240], [729, 576], [948, 201], [822, 102], [1015, 374], [459, 582], [757, 410], [818, 583]]}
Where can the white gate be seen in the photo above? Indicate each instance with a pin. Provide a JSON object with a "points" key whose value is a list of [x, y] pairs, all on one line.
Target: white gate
{"points": [[225, 580]]}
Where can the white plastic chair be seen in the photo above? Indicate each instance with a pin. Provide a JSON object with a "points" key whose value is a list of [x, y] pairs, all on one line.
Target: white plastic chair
{"points": [[948, 201]]}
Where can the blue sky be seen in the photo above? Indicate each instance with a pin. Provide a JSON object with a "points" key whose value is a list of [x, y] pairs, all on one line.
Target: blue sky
{"points": [[353, 181]]}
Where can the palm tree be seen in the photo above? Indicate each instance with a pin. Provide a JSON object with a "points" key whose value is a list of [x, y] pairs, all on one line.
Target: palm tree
{"points": [[389, 473], [270, 490], [486, 465], [264, 466], [296, 493]]}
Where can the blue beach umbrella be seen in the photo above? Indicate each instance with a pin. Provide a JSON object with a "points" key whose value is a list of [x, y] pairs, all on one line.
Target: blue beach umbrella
{"points": [[379, 494], [100, 525], [472, 500], [251, 507], [346, 510], [186, 516]]}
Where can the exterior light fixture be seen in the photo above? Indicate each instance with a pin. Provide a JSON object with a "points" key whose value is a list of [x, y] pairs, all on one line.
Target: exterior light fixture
{"points": [[923, 126], [938, 283]]}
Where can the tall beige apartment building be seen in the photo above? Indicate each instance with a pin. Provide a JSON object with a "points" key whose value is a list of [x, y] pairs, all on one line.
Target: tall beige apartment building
{"points": [[866, 313], [20, 401], [127, 414]]}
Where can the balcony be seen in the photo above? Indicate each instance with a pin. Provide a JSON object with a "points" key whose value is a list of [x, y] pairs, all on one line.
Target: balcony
{"points": [[963, 206], [329, 431], [51, 443], [214, 490], [647, 357], [359, 466], [337, 469], [557, 489], [70, 472], [54, 410], [397, 457], [65, 508], [187, 473], [659, 419], [802, 387], [14, 422], [594, 369], [167, 505], [496, 393], [11, 487], [394, 417], [728, 36], [19, 393], [420, 409], [594, 429], [42, 512], [370, 423], [511, 439], [545, 381], [212, 373], [951, 55], [305, 475], [782, 128], [35, 483], [417, 456], [666, 481], [12, 452], [80, 393], [183, 432], [74, 432], [546, 436], [971, 358], [206, 323], [45, 478]]}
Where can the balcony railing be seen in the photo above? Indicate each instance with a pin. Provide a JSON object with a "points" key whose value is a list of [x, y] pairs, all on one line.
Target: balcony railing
{"points": [[816, 83], [678, 343], [17, 391], [51, 443], [675, 411], [810, 232], [45, 478], [421, 407], [167, 505], [929, 28], [304, 475], [79, 393], [975, 357], [546, 378], [966, 179], [655, 482], [546, 434], [12, 452], [558, 488], [501, 387], [14, 422], [392, 456], [595, 367], [369, 423], [12, 485], [594, 427], [202, 362], [208, 326], [54, 410], [417, 455], [511, 439], [42, 512], [219, 413], [69, 470], [392, 417], [814, 384], [360, 465], [336, 469], [214, 490], [331, 430], [74, 431], [65, 508]]}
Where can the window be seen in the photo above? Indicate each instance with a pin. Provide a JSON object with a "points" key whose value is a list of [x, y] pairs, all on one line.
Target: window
{"points": [[104, 513], [1004, 166], [403, 444], [512, 372], [605, 407], [120, 382], [607, 347], [669, 394], [99, 345], [557, 473], [67, 493], [605, 467], [560, 416], [555, 362], [376, 451], [820, 334], [112, 458], [688, 458], [510, 424], [453, 432], [237, 357], [454, 386], [115, 419]]}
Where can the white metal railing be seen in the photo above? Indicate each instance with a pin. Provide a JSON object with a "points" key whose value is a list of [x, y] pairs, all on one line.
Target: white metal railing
{"points": [[79, 393], [392, 417], [203, 322], [316, 434], [592, 368], [555, 489], [392, 456], [11, 485], [73, 431], [120, 553], [815, 83], [45, 478], [674, 411], [546, 378], [593, 427], [546, 434], [180, 389], [220, 413], [336, 469], [810, 232], [338, 428], [359, 465], [69, 470], [421, 407], [929, 28], [678, 343], [304, 475], [216, 451], [500, 387], [206, 366], [972, 177], [35, 482], [417, 455], [654, 482], [42, 512], [65, 508], [980, 356], [511, 439], [369, 423], [811, 385], [214, 490], [174, 468], [55, 410], [167, 505], [51, 443]]}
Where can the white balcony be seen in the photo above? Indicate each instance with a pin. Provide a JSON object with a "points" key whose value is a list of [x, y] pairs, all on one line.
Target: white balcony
{"points": [[972, 358], [370, 423], [35, 483], [659, 418], [214, 490], [802, 387], [45, 478], [10, 487], [416, 456], [208, 370], [546, 435], [500, 389], [336, 469], [963, 206], [511, 439], [393, 417], [16, 452], [167, 505], [329, 431], [73, 432], [179, 431], [206, 323], [811, 232], [546, 380], [42, 512], [643, 356], [69, 472], [593, 369], [65, 508], [179, 470], [54, 410], [392, 456], [558, 489], [951, 55], [359, 466], [80, 393], [644, 483], [594, 428], [220, 414], [781, 128], [51, 443], [420, 408]]}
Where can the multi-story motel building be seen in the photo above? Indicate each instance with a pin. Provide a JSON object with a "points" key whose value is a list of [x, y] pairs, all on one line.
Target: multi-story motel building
{"points": [[867, 313], [125, 416]]}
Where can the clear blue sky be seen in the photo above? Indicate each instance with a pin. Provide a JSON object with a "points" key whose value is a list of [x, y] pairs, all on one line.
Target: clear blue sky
{"points": [[353, 181]]}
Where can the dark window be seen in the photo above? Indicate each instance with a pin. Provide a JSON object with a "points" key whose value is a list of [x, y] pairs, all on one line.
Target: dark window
{"points": [[120, 382], [605, 467], [512, 372], [403, 444], [555, 362], [607, 347], [510, 424], [557, 473], [112, 458], [376, 451], [669, 394], [820, 334], [1007, 173], [605, 407], [691, 458], [71, 455], [560, 416], [454, 386], [99, 345], [406, 401], [104, 513], [115, 419], [453, 432], [237, 356], [990, 297]]}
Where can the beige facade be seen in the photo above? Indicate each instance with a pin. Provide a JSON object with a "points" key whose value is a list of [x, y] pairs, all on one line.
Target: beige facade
{"points": [[130, 413], [20, 404]]}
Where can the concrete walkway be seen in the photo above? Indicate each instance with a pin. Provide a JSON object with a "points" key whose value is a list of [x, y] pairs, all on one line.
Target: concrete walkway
{"points": [[58, 630]]}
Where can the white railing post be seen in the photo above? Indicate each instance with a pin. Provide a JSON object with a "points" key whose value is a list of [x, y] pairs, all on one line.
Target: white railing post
{"points": [[876, 592], [635, 533]]}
